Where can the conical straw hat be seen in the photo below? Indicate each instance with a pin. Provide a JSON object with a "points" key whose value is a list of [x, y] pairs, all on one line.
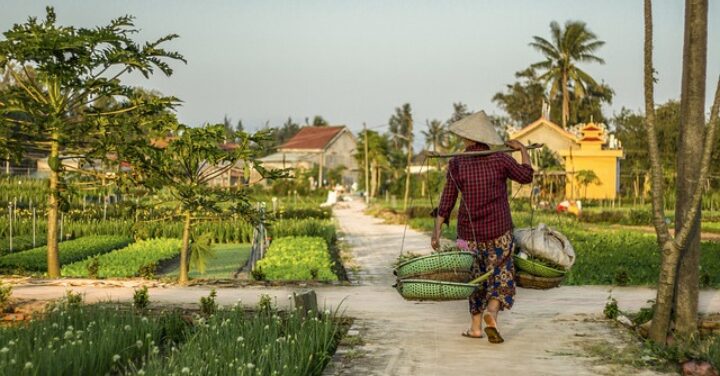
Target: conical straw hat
{"points": [[477, 127]]}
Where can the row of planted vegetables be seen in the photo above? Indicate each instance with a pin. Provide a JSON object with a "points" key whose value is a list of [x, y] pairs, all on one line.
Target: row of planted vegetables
{"points": [[72, 338], [302, 249]]}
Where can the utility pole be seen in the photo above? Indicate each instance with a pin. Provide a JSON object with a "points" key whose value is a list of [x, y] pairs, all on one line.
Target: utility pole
{"points": [[409, 161], [320, 172], [367, 167]]}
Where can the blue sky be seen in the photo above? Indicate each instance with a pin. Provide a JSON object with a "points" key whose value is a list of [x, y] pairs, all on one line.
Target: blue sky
{"points": [[355, 61]]}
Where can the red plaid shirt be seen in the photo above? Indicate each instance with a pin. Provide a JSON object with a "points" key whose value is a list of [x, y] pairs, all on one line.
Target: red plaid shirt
{"points": [[484, 207]]}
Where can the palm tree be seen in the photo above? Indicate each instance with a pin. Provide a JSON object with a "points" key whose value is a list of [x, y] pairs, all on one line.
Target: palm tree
{"points": [[570, 45], [587, 177], [436, 134]]}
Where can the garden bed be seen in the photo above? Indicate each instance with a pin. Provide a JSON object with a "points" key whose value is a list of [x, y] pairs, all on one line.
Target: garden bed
{"points": [[139, 259], [296, 258], [77, 339], [35, 260]]}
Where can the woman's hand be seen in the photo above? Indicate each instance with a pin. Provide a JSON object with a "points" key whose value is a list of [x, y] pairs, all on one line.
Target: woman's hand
{"points": [[435, 241], [515, 145]]}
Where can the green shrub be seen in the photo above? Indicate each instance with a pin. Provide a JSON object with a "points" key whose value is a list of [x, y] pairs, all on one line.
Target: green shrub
{"points": [[208, 305], [93, 266], [305, 227], [130, 261], [141, 298], [5, 294], [305, 213], [70, 251], [297, 259], [21, 243]]}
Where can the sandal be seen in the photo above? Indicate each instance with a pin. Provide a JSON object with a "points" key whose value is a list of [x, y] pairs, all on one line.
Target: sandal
{"points": [[470, 335], [491, 329]]}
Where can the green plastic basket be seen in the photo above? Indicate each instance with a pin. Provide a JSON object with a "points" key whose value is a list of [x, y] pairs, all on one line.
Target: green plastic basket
{"points": [[436, 263], [423, 289], [535, 268]]}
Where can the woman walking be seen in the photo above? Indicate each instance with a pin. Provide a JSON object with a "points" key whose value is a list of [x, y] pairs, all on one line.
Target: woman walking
{"points": [[484, 222]]}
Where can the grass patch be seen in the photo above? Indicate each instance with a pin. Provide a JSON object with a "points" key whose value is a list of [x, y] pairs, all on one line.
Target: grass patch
{"points": [[229, 258]]}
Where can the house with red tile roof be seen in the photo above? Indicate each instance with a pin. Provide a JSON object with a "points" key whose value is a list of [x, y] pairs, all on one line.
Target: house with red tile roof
{"points": [[328, 147]]}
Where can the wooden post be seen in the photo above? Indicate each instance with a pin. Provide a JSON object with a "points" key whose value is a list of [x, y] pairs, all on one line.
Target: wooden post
{"points": [[305, 303], [11, 225], [409, 162], [34, 224], [320, 172], [367, 167]]}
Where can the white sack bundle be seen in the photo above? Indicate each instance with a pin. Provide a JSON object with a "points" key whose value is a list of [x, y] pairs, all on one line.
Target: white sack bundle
{"points": [[545, 243]]}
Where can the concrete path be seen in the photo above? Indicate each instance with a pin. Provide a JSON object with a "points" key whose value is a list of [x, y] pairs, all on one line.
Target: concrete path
{"points": [[543, 332]]}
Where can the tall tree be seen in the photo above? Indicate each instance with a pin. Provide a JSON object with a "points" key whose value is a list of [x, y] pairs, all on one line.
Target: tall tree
{"points": [[399, 126], [435, 135], [239, 127], [319, 121], [692, 132], [378, 149], [186, 167], [229, 129], [61, 105], [286, 132], [523, 100], [569, 46], [693, 166]]}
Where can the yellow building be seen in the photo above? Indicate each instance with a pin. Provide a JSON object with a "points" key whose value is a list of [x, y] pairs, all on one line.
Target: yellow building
{"points": [[587, 147]]}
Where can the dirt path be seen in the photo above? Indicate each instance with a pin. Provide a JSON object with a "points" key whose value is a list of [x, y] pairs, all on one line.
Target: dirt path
{"points": [[543, 332]]}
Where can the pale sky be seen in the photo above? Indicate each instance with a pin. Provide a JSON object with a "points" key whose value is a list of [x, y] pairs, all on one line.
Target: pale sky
{"points": [[355, 61]]}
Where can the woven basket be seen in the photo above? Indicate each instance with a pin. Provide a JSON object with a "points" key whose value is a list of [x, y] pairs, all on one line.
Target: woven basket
{"points": [[446, 262], [537, 269], [451, 276], [423, 289], [541, 283]]}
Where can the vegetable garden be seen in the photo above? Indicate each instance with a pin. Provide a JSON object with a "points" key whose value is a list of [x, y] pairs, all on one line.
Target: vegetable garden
{"points": [[77, 339], [605, 256]]}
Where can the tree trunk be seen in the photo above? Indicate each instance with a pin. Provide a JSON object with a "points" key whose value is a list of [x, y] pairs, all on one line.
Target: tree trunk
{"points": [[689, 157], [409, 165], [53, 257], [666, 281], [373, 179], [183, 279], [565, 101]]}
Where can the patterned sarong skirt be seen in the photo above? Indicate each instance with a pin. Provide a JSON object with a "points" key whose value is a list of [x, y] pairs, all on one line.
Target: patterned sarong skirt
{"points": [[495, 255]]}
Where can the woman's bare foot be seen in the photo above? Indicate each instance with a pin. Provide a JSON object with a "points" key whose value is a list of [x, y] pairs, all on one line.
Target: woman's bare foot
{"points": [[491, 328], [473, 334]]}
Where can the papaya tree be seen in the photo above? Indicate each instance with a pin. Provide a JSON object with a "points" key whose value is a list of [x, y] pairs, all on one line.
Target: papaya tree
{"points": [[188, 164], [66, 97]]}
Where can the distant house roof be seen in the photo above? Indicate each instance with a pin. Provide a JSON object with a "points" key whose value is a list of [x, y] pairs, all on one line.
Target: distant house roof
{"points": [[313, 138], [543, 122], [591, 127], [289, 157]]}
